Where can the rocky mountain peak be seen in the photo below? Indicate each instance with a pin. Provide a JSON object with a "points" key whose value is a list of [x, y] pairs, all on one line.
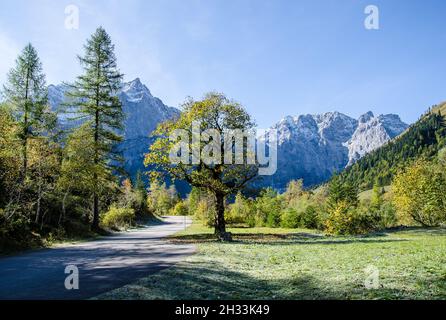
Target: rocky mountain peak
{"points": [[373, 132], [135, 91], [393, 124], [143, 113], [313, 147], [335, 126], [366, 117]]}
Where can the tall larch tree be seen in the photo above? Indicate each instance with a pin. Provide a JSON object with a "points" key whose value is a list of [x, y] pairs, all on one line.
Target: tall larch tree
{"points": [[95, 101], [27, 93]]}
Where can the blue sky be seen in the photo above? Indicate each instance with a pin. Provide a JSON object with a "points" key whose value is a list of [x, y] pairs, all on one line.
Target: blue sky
{"points": [[276, 57]]}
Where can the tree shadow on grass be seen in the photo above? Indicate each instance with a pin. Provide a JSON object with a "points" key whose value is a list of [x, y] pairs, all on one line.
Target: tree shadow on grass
{"points": [[434, 231], [206, 281], [201, 281], [283, 239]]}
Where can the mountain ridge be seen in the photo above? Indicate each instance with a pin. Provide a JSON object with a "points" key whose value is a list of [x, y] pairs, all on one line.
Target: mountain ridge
{"points": [[314, 147], [310, 146]]}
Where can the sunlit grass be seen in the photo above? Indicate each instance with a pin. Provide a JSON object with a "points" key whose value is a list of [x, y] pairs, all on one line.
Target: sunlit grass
{"points": [[269, 263]]}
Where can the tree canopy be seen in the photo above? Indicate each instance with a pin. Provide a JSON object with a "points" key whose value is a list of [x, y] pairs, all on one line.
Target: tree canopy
{"points": [[205, 165]]}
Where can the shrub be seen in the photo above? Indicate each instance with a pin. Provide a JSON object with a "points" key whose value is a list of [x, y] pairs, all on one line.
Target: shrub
{"points": [[251, 221], [346, 220], [309, 218], [273, 219], [206, 213], [118, 218], [299, 212], [180, 209], [16, 233], [268, 208], [290, 218], [241, 211], [420, 193], [56, 235], [387, 216], [381, 212]]}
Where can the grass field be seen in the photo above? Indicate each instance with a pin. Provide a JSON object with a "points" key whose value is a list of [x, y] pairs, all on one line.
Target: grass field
{"points": [[367, 195], [265, 263]]}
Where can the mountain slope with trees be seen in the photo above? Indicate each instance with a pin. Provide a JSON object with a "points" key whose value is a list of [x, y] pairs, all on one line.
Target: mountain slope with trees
{"points": [[423, 139]]}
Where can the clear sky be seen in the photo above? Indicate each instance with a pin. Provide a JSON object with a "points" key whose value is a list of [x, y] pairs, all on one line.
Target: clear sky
{"points": [[276, 57]]}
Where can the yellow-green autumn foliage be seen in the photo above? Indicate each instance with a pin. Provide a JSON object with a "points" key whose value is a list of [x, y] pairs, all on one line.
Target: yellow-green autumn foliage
{"points": [[180, 209], [420, 193], [9, 153], [294, 192], [217, 114], [161, 200], [118, 218], [343, 219], [206, 212], [339, 219], [241, 211]]}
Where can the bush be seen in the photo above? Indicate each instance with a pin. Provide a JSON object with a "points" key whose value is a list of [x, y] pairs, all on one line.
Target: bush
{"points": [[180, 209], [118, 218], [290, 218], [420, 193], [387, 216], [306, 218], [346, 220], [268, 208], [309, 218], [273, 219], [241, 211], [206, 212], [56, 235], [16, 233]]}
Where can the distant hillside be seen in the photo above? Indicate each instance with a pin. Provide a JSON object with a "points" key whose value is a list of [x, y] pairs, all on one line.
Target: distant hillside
{"points": [[422, 139]]}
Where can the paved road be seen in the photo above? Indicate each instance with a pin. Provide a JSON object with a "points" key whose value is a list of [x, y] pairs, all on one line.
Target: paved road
{"points": [[103, 264]]}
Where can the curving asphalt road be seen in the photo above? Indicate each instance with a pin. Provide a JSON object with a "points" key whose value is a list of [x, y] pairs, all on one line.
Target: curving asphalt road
{"points": [[103, 264]]}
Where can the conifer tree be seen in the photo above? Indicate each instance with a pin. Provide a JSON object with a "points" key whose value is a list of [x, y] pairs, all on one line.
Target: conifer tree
{"points": [[95, 101], [27, 93], [377, 197], [341, 192], [141, 194]]}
